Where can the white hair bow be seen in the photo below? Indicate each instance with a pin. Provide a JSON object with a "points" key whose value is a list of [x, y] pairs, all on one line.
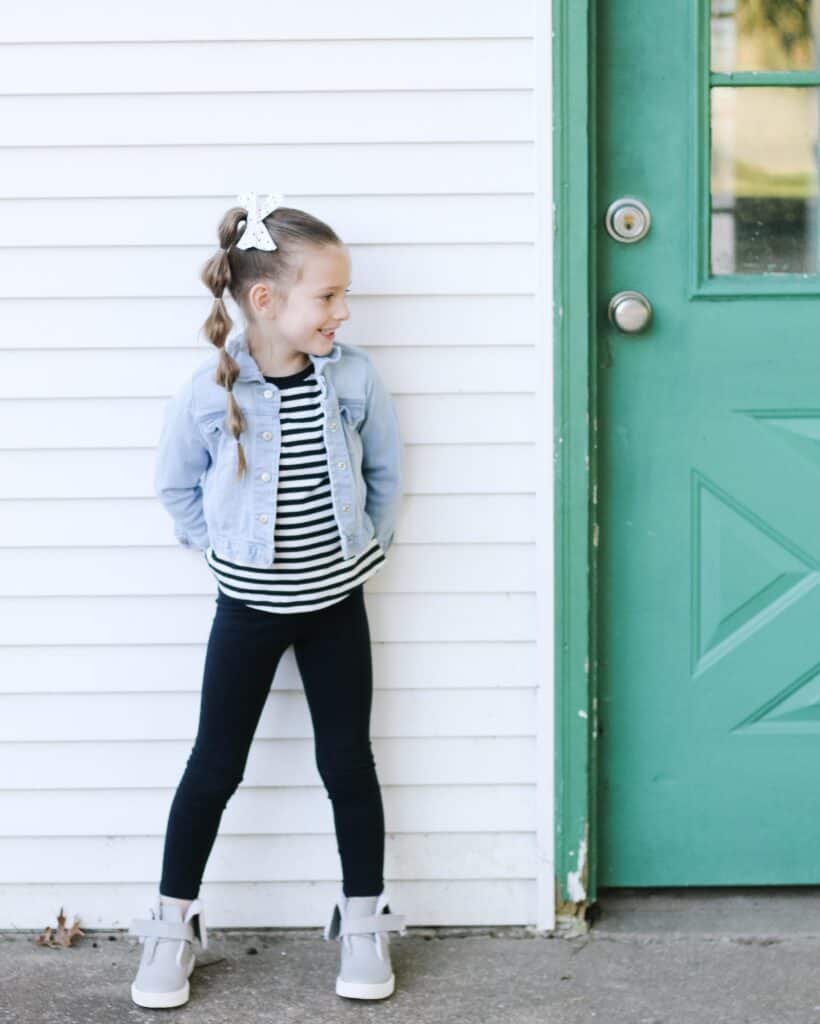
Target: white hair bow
{"points": [[256, 235]]}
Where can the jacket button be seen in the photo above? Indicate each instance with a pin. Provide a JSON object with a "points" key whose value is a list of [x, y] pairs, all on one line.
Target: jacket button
{"points": [[345, 508], [267, 435], [333, 425], [267, 393], [263, 518], [341, 465], [265, 476]]}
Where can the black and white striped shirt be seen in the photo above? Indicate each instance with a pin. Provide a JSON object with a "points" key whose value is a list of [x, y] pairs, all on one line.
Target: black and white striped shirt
{"points": [[308, 571]]}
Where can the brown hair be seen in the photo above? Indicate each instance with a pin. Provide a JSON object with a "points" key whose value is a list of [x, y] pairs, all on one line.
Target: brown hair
{"points": [[239, 269]]}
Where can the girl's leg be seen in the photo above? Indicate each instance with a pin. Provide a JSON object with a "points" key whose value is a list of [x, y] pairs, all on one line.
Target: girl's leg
{"points": [[332, 649], [244, 649]]}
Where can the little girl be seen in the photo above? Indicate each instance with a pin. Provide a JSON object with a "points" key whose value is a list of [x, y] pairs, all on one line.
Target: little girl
{"points": [[280, 460]]}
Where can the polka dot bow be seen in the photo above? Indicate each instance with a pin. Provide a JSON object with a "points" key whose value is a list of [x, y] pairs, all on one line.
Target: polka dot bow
{"points": [[258, 205]]}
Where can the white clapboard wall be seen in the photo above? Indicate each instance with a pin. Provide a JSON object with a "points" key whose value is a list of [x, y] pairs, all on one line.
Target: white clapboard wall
{"points": [[126, 134]]}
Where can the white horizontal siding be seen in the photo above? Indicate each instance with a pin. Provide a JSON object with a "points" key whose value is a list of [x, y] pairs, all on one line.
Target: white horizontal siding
{"points": [[299, 170], [413, 133], [500, 862], [117, 472], [275, 857], [262, 904], [267, 65], [265, 811], [64, 422], [109, 668], [76, 571], [249, 20], [138, 271], [129, 522], [278, 760], [388, 320], [267, 120], [189, 221], [394, 616], [91, 375], [461, 711]]}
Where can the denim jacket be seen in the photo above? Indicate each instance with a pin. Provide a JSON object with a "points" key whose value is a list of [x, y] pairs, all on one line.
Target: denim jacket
{"points": [[195, 476]]}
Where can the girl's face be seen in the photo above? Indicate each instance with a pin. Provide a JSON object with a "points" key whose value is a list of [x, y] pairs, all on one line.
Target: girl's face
{"points": [[316, 305]]}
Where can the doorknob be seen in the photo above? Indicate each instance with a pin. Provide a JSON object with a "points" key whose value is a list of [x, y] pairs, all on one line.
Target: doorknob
{"points": [[629, 311]]}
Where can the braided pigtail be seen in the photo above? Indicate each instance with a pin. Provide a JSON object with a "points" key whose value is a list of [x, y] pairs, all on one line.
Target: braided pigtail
{"points": [[216, 275]]}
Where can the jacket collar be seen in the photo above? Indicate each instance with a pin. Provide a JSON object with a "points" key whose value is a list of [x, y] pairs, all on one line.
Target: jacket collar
{"points": [[237, 346]]}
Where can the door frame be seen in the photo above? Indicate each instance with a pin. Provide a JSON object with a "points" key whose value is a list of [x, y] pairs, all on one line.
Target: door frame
{"points": [[574, 456]]}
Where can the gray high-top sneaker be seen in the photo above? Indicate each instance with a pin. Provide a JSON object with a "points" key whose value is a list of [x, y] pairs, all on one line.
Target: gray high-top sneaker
{"points": [[361, 924], [167, 957]]}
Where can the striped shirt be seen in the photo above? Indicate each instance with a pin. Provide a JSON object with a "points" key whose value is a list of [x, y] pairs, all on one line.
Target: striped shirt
{"points": [[308, 571]]}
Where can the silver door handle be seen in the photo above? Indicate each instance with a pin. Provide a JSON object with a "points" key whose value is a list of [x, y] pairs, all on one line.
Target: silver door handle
{"points": [[629, 311]]}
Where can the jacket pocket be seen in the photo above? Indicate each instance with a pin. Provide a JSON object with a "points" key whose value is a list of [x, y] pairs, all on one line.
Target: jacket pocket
{"points": [[219, 503], [213, 431], [352, 410]]}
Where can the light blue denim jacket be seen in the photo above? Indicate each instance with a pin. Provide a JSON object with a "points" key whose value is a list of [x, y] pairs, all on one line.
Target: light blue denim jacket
{"points": [[195, 474]]}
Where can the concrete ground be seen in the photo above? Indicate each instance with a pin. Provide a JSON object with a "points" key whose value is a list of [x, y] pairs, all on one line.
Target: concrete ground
{"points": [[647, 957]]}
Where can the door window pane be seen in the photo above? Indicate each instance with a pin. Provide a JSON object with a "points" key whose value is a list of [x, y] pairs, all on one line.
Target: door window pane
{"points": [[764, 35], [764, 180]]}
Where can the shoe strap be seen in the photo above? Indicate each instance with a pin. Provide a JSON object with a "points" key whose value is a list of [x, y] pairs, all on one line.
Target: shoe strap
{"points": [[196, 917], [333, 925], [373, 923], [161, 929]]}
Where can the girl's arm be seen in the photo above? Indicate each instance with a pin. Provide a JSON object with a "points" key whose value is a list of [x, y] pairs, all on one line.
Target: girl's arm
{"points": [[381, 458], [182, 458]]}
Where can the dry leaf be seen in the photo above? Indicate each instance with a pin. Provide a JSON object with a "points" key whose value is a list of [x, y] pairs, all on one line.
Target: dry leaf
{"points": [[63, 935]]}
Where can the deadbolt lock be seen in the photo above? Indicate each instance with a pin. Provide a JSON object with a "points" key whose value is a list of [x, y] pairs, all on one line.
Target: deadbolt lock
{"points": [[627, 219]]}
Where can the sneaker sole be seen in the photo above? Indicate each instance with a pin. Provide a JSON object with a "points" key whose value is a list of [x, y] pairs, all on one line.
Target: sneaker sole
{"points": [[163, 1000], [365, 990]]}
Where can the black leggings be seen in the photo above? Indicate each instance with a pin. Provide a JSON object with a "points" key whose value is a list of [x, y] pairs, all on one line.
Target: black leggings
{"points": [[332, 649]]}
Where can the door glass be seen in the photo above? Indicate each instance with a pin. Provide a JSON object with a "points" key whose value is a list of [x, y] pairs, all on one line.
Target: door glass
{"points": [[764, 35], [764, 180], [763, 111]]}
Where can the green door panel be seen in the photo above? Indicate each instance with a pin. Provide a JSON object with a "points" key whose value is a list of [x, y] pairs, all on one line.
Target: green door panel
{"points": [[708, 501]]}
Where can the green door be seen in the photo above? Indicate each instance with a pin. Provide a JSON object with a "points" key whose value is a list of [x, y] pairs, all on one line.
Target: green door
{"points": [[708, 443]]}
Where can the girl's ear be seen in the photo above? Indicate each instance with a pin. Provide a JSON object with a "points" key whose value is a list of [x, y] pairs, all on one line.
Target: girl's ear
{"points": [[263, 299]]}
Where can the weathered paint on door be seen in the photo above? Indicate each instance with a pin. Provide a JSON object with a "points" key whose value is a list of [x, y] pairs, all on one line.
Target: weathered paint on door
{"points": [[708, 501]]}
